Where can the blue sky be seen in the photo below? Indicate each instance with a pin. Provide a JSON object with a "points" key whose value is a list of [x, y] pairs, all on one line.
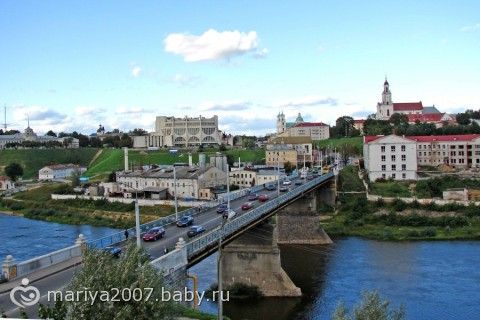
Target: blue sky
{"points": [[73, 65]]}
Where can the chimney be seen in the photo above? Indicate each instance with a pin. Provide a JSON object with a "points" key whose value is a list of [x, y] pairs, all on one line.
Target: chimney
{"points": [[125, 157], [190, 161]]}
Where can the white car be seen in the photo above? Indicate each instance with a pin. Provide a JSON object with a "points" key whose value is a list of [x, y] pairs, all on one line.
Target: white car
{"points": [[287, 182]]}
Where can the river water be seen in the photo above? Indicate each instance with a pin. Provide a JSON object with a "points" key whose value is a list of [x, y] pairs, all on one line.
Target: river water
{"points": [[434, 280], [25, 238]]}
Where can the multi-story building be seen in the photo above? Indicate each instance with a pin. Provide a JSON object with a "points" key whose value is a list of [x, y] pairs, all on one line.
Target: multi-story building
{"points": [[381, 152], [246, 178], [59, 171], [390, 157], [191, 181], [289, 149], [181, 132], [30, 135], [300, 128]]}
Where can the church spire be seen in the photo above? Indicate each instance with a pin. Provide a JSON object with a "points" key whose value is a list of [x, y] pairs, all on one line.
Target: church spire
{"points": [[386, 94]]}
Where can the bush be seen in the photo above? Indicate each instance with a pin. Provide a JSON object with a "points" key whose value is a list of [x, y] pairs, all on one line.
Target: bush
{"points": [[399, 205], [428, 232]]}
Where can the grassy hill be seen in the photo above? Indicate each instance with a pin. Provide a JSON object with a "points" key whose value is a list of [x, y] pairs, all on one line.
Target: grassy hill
{"points": [[34, 159], [336, 142], [112, 159]]}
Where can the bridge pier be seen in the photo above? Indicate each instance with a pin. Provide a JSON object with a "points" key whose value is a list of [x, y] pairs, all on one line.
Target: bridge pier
{"points": [[254, 259], [299, 223]]}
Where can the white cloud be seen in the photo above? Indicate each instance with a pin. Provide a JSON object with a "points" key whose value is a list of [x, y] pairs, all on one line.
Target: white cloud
{"points": [[225, 106], [86, 111], [261, 54], [136, 71], [471, 28], [132, 110], [211, 45], [308, 101]]}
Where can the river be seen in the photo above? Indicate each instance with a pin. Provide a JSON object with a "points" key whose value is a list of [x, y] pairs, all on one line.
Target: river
{"points": [[434, 280], [26, 238]]}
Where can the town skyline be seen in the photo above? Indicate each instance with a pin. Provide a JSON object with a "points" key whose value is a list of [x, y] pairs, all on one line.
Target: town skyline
{"points": [[325, 60]]}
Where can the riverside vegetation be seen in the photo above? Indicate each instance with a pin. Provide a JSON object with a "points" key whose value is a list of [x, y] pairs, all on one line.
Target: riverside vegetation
{"points": [[37, 204], [398, 220]]}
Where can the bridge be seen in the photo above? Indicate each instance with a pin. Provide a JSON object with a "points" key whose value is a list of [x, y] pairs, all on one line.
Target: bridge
{"points": [[297, 222]]}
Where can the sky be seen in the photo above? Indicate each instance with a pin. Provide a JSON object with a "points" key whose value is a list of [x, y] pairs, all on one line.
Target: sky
{"points": [[72, 65]]}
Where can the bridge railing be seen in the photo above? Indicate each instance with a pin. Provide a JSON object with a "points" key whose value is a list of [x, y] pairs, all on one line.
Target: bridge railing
{"points": [[47, 260], [199, 244]]}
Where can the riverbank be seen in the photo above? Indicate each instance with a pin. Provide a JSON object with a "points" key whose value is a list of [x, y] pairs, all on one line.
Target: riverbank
{"points": [[36, 204]]}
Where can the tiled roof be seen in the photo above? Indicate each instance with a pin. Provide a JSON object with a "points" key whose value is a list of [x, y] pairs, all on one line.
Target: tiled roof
{"points": [[432, 109], [406, 106], [359, 121], [311, 124], [429, 117], [443, 138]]}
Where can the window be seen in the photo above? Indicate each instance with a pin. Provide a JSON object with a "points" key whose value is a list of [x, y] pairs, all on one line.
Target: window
{"points": [[383, 156], [394, 175], [392, 148], [383, 148], [453, 153], [394, 167], [461, 153], [393, 157], [383, 175], [404, 167], [404, 157], [403, 148], [404, 176], [384, 167]]}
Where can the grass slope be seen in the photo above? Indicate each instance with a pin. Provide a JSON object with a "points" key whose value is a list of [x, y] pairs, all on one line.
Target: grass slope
{"points": [[336, 142], [34, 159]]}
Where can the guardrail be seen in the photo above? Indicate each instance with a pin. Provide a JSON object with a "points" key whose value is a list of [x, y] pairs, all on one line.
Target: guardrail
{"points": [[199, 244], [47, 260]]}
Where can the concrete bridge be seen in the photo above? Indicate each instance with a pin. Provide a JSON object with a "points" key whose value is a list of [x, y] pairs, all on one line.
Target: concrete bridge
{"points": [[297, 222]]}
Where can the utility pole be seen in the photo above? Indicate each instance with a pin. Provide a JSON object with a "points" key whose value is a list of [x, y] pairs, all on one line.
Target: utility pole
{"points": [[278, 170], [219, 261], [137, 221]]}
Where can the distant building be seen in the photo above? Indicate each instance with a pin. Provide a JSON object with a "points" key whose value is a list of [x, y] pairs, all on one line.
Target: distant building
{"points": [[30, 135], [192, 182], [390, 157], [6, 183], [182, 132], [246, 178], [289, 149], [59, 171], [299, 128], [219, 161], [438, 119], [358, 124]]}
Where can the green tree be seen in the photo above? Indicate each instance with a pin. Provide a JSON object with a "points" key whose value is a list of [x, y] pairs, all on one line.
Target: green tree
{"points": [[102, 272], [288, 166], [344, 126], [112, 177], [13, 171], [463, 118], [372, 307], [51, 133]]}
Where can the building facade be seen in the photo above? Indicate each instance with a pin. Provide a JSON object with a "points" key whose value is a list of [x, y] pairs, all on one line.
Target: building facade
{"points": [[390, 157], [246, 178], [6, 183], [181, 132], [59, 171], [299, 128], [295, 150], [30, 135]]}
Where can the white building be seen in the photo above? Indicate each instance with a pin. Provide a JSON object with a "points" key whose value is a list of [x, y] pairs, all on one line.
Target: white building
{"points": [[59, 171], [246, 178], [30, 135], [190, 181], [6, 183], [181, 132], [390, 157], [315, 130]]}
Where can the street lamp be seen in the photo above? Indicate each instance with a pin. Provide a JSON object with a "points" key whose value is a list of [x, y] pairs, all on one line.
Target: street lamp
{"points": [[137, 221], [278, 171], [175, 191]]}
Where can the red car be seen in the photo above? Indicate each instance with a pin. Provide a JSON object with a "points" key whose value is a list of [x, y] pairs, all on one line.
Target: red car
{"points": [[247, 206], [154, 234], [263, 198]]}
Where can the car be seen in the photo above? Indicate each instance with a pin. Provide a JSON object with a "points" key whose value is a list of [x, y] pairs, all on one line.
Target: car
{"points": [[114, 251], [271, 187], [253, 197], [229, 216], [185, 221], [298, 182], [222, 208], [154, 234], [195, 230], [247, 206], [310, 177], [287, 182], [283, 189], [263, 198]]}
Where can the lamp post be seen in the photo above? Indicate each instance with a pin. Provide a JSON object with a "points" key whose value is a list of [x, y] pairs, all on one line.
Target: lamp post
{"points": [[219, 261], [278, 171], [137, 221], [175, 191]]}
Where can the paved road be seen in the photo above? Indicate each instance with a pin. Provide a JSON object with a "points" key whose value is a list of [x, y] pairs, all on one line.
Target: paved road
{"points": [[210, 219]]}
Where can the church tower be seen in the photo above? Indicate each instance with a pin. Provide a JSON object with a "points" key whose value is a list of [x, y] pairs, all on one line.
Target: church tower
{"points": [[281, 124], [385, 108]]}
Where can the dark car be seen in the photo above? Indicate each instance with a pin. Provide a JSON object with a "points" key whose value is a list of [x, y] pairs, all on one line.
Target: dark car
{"points": [[195, 230], [283, 189], [253, 197], [154, 234], [222, 208], [298, 182], [263, 198], [271, 187], [247, 206], [185, 221], [114, 251], [310, 177]]}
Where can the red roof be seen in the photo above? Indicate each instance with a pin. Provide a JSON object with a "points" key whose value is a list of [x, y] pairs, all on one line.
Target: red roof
{"points": [[446, 138], [310, 124], [4, 178], [429, 117], [407, 106], [359, 121]]}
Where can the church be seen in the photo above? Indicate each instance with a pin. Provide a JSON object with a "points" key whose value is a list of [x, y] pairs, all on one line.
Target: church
{"points": [[415, 111], [300, 128]]}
